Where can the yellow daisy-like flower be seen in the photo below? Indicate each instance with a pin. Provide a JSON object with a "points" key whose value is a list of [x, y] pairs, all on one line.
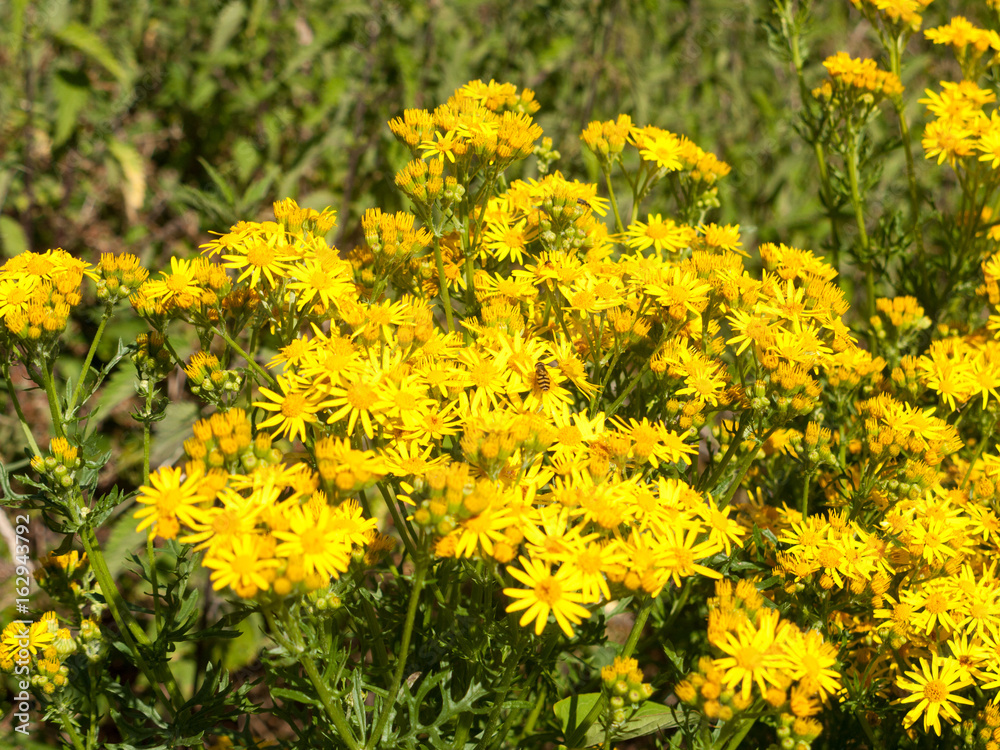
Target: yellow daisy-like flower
{"points": [[933, 690], [319, 536], [660, 233], [293, 408], [169, 502], [557, 594], [754, 654], [242, 564]]}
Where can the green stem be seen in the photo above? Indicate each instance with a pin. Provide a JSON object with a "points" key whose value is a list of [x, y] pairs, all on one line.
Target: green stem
{"points": [[804, 501], [895, 53], [249, 359], [614, 202], [20, 414], [68, 727], [624, 394], [513, 662], [135, 637], [979, 452], [150, 549], [443, 283], [745, 726], [529, 725], [330, 703], [421, 562], [90, 357], [859, 217], [627, 651], [50, 392]]}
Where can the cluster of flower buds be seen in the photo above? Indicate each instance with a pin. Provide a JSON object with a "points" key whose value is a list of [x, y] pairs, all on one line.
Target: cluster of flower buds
{"points": [[120, 277], [209, 380], [151, 356], [61, 465], [296, 219], [225, 441], [623, 681]]}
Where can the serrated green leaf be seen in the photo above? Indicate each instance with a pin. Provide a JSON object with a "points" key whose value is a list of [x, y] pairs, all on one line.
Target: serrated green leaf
{"points": [[13, 240], [79, 37], [226, 26], [72, 91]]}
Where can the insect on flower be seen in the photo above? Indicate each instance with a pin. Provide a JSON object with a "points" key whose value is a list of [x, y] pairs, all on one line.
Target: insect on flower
{"points": [[542, 377], [582, 202]]}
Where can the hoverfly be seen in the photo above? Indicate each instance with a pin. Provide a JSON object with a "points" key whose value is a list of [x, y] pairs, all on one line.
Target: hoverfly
{"points": [[542, 377]]}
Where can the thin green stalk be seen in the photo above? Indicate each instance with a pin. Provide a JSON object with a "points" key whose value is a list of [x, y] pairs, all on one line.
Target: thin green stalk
{"points": [[20, 414], [979, 452], [443, 283], [709, 480], [745, 726], [487, 740], [627, 651], [624, 394], [399, 522], [249, 359], [614, 201], [68, 727], [330, 703], [50, 392], [150, 549], [859, 217], [529, 725], [422, 562], [135, 637], [804, 501], [895, 50], [108, 308]]}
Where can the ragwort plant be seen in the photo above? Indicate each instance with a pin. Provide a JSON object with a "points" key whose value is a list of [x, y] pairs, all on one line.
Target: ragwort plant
{"points": [[443, 468]]}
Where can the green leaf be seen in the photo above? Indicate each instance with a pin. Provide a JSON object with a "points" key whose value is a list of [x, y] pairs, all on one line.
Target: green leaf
{"points": [[227, 25], [288, 694], [220, 182], [13, 240], [79, 37], [651, 717], [72, 92], [571, 711]]}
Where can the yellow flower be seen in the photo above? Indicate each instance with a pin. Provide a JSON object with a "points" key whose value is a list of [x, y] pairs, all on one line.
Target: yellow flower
{"points": [[293, 408], [755, 654], [660, 233], [169, 502], [242, 564], [318, 535], [932, 689], [557, 594]]}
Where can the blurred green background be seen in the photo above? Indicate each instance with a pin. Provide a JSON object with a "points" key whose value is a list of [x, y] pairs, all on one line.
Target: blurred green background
{"points": [[140, 126]]}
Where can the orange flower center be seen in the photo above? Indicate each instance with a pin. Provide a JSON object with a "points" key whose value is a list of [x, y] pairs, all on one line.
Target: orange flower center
{"points": [[293, 406], [548, 591]]}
